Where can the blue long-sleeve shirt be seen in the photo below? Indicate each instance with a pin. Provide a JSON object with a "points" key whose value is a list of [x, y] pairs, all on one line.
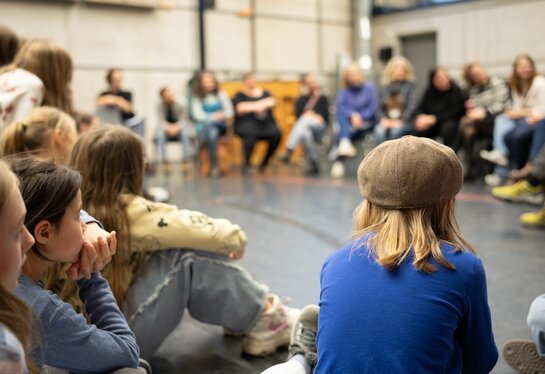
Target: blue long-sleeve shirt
{"points": [[360, 99], [374, 320], [66, 341]]}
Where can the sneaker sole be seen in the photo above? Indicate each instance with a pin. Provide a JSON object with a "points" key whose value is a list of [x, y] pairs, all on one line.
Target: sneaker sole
{"points": [[265, 348], [535, 226], [522, 356]]}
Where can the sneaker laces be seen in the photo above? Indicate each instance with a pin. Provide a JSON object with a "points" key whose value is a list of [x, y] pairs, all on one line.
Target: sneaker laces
{"points": [[305, 343]]}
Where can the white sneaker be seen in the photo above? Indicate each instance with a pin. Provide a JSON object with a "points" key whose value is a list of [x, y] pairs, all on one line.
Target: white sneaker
{"points": [[493, 180], [337, 170], [494, 157], [346, 148], [272, 330]]}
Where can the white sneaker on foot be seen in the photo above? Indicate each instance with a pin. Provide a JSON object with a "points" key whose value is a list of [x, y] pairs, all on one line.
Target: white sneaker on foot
{"points": [[337, 170], [272, 330], [494, 157], [493, 180], [346, 148]]}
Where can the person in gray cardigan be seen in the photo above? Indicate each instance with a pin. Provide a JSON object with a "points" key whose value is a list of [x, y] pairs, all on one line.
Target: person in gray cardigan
{"points": [[398, 101]]}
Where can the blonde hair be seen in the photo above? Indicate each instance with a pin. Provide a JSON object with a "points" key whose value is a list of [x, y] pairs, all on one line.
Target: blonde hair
{"points": [[34, 133], [392, 64], [14, 314], [53, 65], [391, 235], [355, 68]]}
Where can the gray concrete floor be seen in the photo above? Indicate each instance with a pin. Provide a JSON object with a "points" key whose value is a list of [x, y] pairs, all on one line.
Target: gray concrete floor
{"points": [[294, 222]]}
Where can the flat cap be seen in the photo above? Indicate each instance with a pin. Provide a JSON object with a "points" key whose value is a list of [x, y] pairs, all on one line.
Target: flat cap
{"points": [[409, 173]]}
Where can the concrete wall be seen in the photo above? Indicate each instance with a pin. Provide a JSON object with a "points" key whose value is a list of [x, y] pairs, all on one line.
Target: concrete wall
{"points": [[490, 31], [160, 46]]}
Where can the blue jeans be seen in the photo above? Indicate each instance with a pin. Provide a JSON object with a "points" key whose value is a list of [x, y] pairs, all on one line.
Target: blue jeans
{"points": [[382, 134], [208, 133], [306, 130], [162, 140], [502, 125], [519, 141], [538, 140], [536, 323], [213, 289]]}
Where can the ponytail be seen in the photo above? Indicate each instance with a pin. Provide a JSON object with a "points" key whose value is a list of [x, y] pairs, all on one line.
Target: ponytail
{"points": [[13, 139]]}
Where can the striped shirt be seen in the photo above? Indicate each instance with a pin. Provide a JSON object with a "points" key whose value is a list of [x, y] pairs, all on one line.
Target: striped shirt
{"points": [[491, 97]]}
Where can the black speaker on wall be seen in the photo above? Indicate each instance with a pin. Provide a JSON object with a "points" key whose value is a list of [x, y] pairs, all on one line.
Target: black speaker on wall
{"points": [[385, 54]]}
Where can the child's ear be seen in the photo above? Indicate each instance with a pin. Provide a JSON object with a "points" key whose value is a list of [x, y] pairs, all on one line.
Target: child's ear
{"points": [[42, 232]]}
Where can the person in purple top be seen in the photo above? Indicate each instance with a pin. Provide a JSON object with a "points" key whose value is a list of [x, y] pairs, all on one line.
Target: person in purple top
{"points": [[356, 107]]}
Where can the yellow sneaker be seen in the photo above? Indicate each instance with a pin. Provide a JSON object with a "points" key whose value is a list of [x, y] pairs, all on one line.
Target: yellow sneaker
{"points": [[533, 219], [520, 192]]}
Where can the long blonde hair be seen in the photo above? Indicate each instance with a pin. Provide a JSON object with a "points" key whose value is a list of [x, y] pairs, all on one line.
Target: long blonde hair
{"points": [[392, 64], [14, 313], [53, 65], [391, 235], [117, 168], [34, 133]]}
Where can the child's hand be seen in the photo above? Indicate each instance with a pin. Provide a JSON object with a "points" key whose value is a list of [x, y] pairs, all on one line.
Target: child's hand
{"points": [[93, 257], [84, 266], [93, 233], [236, 255]]}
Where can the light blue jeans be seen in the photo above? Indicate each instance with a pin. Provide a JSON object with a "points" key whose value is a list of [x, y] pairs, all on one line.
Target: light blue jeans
{"points": [[306, 130], [382, 134], [502, 126], [536, 323], [162, 140], [214, 290], [209, 133]]}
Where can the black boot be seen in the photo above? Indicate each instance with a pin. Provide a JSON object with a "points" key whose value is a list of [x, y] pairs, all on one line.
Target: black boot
{"points": [[285, 158], [314, 169]]}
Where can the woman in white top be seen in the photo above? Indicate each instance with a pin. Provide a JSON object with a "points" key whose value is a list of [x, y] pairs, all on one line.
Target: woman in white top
{"points": [[514, 128]]}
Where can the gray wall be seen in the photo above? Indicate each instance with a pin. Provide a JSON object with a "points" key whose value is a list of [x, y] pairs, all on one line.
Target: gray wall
{"points": [[490, 31], [160, 46]]}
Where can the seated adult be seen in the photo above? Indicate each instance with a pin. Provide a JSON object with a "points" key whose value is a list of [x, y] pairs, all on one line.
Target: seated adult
{"points": [[356, 109], [440, 109], [254, 120], [312, 111], [170, 113], [487, 98], [117, 98], [211, 109], [398, 101]]}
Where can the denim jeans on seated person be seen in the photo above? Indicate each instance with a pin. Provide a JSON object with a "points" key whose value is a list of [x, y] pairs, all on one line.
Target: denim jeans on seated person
{"points": [[162, 140], [383, 134], [306, 130], [213, 289], [208, 133]]}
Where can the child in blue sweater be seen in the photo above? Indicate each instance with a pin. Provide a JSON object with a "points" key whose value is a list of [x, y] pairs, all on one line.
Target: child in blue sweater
{"points": [[53, 200], [409, 294]]}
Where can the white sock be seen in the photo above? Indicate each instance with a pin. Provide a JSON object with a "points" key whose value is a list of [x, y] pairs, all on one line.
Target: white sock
{"points": [[296, 365]]}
